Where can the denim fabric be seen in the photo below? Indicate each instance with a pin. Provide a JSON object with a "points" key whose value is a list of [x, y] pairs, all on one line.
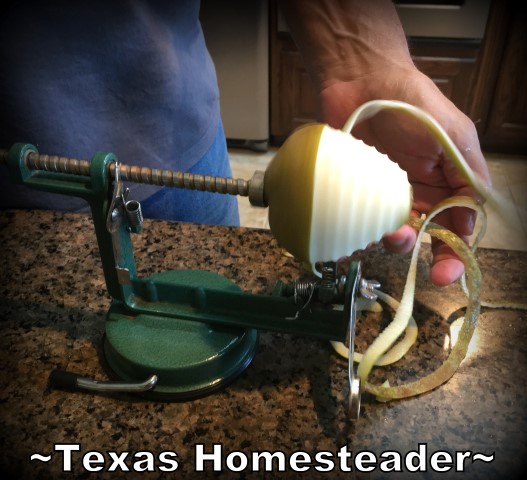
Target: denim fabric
{"points": [[131, 77], [194, 206]]}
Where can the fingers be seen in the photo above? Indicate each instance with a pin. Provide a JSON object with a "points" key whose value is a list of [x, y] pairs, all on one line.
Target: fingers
{"points": [[446, 271], [465, 136], [400, 241], [462, 221], [446, 266]]}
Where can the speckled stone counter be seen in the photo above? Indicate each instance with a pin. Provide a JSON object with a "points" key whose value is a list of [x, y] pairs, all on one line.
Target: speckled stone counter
{"points": [[291, 399]]}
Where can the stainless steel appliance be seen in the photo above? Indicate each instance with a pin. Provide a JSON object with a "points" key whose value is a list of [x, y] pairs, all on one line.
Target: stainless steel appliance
{"points": [[237, 36]]}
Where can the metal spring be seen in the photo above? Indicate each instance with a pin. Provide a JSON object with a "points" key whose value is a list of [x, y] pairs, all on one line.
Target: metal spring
{"points": [[328, 275], [304, 289], [134, 212]]}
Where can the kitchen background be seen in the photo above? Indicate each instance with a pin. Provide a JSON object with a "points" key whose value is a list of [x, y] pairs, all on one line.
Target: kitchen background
{"points": [[474, 50]]}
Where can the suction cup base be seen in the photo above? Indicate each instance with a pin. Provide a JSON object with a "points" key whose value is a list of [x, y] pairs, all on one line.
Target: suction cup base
{"points": [[191, 359]]}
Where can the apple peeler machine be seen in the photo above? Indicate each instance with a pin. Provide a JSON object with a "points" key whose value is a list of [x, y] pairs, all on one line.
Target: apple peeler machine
{"points": [[181, 334]]}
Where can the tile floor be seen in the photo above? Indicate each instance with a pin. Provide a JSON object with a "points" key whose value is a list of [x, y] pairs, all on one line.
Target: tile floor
{"points": [[509, 176]]}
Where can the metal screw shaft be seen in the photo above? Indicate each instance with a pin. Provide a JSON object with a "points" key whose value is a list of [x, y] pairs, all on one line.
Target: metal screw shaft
{"points": [[152, 176]]}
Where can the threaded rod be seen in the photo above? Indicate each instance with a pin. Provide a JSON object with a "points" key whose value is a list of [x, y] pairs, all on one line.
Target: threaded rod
{"points": [[152, 176]]}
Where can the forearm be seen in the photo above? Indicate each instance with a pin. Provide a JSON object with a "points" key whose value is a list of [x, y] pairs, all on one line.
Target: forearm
{"points": [[343, 40]]}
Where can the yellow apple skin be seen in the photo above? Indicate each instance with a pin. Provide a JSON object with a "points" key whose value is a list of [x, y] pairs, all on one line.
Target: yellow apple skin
{"points": [[330, 194]]}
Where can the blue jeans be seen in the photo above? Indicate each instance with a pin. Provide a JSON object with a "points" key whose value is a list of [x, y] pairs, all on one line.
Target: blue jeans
{"points": [[196, 206]]}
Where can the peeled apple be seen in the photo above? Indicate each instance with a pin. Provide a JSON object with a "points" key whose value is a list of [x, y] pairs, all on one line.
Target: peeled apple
{"points": [[330, 194]]}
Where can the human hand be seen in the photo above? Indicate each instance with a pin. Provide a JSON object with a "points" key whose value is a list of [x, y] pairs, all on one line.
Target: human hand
{"points": [[407, 142], [356, 51]]}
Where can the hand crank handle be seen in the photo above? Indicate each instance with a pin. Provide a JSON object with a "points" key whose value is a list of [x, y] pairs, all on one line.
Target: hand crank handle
{"points": [[72, 381]]}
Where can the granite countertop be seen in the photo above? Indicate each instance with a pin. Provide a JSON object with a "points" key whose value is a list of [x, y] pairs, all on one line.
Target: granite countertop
{"points": [[290, 401]]}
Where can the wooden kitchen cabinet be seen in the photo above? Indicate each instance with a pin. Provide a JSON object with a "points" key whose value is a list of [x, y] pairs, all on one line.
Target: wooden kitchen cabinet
{"points": [[292, 95], [293, 100], [486, 80], [452, 66], [499, 102]]}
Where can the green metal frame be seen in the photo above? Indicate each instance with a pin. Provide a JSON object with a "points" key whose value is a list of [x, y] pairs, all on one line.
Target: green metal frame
{"points": [[195, 329]]}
